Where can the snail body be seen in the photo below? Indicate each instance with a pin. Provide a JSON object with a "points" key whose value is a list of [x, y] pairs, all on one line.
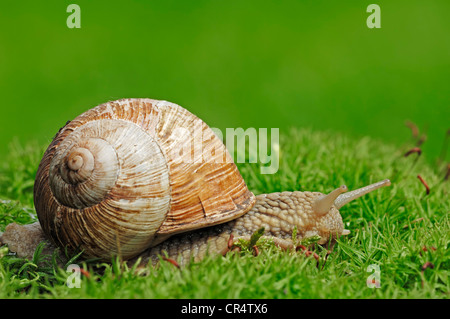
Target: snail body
{"points": [[310, 213], [124, 179]]}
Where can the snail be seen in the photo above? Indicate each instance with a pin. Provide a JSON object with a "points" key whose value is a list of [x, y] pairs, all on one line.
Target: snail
{"points": [[126, 178]]}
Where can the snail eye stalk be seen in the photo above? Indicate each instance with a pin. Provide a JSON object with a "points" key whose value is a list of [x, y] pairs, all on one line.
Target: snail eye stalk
{"points": [[323, 204], [343, 199]]}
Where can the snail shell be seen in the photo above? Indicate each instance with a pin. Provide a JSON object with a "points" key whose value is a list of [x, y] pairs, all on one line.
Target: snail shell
{"points": [[114, 181]]}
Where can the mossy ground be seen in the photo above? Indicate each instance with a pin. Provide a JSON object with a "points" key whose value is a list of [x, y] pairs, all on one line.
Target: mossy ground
{"points": [[400, 229]]}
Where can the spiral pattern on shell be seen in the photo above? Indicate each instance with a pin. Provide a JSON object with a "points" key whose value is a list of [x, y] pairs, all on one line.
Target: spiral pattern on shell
{"points": [[113, 180]]}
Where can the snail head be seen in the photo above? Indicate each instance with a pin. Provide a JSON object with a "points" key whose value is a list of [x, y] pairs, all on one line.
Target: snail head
{"points": [[325, 209]]}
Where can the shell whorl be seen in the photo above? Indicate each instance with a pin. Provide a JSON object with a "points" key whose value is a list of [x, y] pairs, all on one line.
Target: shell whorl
{"points": [[83, 171], [113, 182], [109, 188]]}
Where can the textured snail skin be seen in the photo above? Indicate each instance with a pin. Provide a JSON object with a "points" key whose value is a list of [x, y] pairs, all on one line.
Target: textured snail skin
{"points": [[278, 213], [310, 212]]}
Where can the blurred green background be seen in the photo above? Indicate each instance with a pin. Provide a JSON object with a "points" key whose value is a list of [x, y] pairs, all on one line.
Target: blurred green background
{"points": [[235, 63]]}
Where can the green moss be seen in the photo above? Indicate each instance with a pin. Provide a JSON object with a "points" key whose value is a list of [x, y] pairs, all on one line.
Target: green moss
{"points": [[398, 228]]}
